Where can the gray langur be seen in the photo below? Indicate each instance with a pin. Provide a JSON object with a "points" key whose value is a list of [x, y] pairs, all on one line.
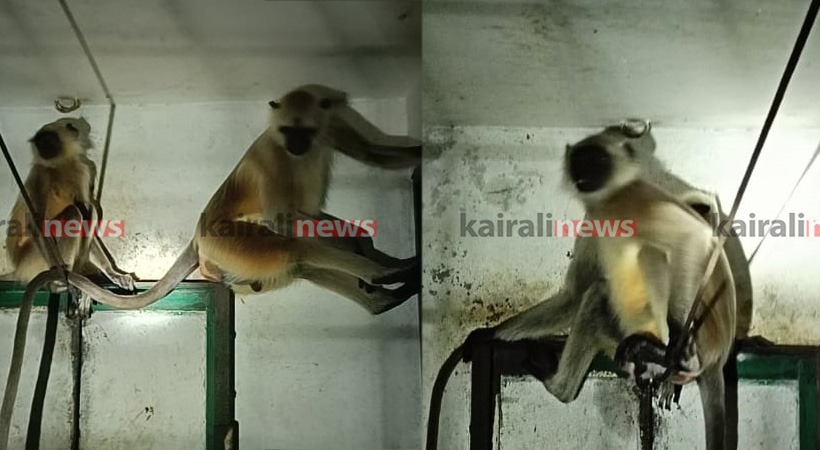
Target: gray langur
{"points": [[284, 174], [60, 184], [582, 304], [651, 276]]}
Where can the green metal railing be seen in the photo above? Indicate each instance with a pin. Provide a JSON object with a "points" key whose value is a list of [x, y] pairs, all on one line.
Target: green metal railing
{"points": [[776, 363], [217, 302]]}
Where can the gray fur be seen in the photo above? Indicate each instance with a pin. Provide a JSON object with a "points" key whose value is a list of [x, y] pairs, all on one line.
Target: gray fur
{"points": [[581, 305]]}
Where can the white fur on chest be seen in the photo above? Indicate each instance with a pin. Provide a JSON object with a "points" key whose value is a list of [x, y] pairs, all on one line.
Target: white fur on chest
{"points": [[71, 183], [310, 180]]}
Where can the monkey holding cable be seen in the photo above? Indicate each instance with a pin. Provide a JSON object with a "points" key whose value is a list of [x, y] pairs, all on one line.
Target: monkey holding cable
{"points": [[628, 297]]}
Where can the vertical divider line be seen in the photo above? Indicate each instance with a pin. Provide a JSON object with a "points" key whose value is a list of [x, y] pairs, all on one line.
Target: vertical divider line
{"points": [[814, 422], [416, 179]]}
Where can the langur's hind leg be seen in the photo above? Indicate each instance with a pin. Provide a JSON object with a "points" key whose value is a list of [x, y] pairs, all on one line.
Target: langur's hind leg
{"points": [[548, 318], [363, 245], [555, 314], [591, 331], [374, 299], [324, 255], [259, 256], [712, 397]]}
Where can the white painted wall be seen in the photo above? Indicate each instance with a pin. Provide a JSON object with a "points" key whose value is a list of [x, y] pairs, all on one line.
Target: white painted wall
{"points": [[313, 369], [56, 424], [471, 282], [143, 380], [559, 63], [605, 416]]}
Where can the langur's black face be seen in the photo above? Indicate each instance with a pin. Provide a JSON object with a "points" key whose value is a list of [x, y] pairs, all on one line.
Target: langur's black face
{"points": [[63, 138], [47, 143], [298, 140], [299, 117], [589, 166]]}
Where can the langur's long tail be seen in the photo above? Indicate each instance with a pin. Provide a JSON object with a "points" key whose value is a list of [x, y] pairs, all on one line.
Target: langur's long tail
{"points": [[185, 264], [19, 349], [437, 396]]}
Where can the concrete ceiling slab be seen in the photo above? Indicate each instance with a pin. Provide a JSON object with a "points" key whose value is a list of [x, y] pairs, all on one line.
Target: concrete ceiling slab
{"points": [[701, 63], [180, 51], [40, 58]]}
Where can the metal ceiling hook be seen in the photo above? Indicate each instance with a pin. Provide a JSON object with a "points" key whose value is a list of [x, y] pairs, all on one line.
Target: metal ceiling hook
{"points": [[66, 104], [635, 128]]}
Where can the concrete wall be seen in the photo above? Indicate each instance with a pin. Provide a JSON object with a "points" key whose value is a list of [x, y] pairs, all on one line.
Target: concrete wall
{"points": [[605, 416], [56, 424], [313, 369]]}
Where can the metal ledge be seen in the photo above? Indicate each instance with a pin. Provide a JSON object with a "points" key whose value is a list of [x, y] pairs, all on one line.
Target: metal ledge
{"points": [[492, 359], [217, 302]]}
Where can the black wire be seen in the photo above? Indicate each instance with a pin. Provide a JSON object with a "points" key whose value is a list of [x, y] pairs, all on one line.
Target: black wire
{"points": [[437, 395], [791, 65], [54, 257], [417, 216], [36, 415], [106, 146], [16, 176], [77, 370]]}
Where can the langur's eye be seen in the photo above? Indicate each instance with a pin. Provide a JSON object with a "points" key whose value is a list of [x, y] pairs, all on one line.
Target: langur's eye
{"points": [[72, 128], [325, 103]]}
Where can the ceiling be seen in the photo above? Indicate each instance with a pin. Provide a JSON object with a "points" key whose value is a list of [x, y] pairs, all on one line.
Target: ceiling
{"points": [[180, 51], [559, 63], [554, 63]]}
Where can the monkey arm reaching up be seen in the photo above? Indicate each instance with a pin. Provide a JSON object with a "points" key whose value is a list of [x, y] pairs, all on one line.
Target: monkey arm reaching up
{"points": [[284, 174], [357, 138], [287, 169]]}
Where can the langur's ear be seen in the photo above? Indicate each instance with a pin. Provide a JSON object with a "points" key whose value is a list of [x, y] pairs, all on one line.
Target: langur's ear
{"points": [[701, 208], [274, 104], [705, 204]]}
